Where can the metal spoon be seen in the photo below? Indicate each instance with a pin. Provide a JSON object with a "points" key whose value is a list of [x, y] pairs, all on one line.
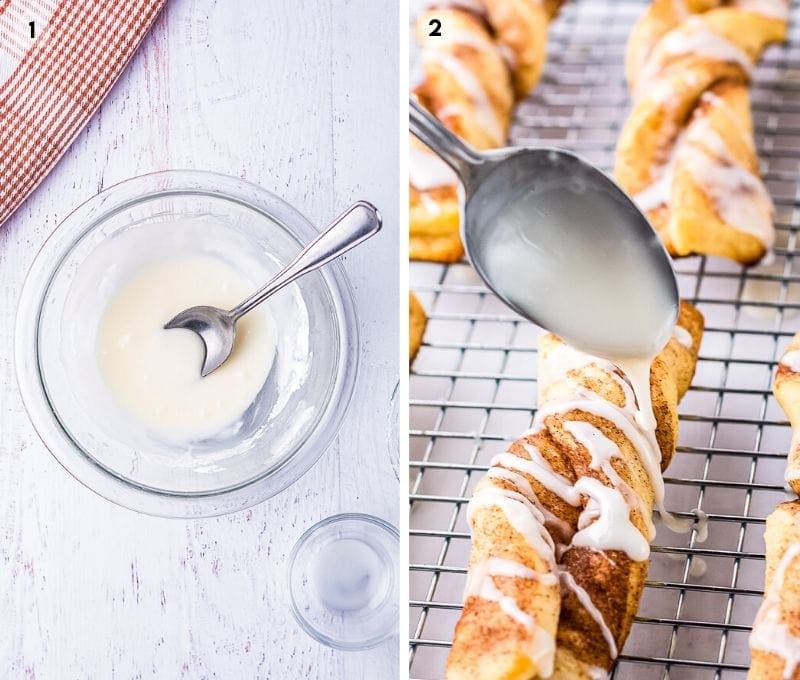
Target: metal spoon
{"points": [[561, 243], [217, 327]]}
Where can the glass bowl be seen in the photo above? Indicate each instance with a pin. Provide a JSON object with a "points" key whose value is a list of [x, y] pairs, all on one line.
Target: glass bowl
{"points": [[293, 418], [343, 581]]}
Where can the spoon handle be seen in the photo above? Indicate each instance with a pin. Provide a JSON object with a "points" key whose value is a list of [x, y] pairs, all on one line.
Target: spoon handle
{"points": [[360, 221], [458, 155]]}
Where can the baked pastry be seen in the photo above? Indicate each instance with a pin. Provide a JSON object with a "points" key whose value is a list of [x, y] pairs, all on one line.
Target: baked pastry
{"points": [[561, 523], [787, 391], [417, 320], [485, 55], [775, 639], [686, 153]]}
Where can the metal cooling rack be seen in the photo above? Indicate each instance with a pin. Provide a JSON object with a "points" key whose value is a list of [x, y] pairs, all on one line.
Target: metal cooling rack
{"points": [[473, 386]]}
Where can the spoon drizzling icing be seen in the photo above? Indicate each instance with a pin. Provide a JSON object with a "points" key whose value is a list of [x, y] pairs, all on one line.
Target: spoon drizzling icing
{"points": [[216, 327], [559, 242]]}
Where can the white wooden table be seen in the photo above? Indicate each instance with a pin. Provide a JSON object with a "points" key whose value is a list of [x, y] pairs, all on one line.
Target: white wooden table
{"points": [[298, 96]]}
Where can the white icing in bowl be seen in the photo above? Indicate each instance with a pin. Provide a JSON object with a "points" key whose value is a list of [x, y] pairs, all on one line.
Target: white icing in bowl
{"points": [[93, 252]]}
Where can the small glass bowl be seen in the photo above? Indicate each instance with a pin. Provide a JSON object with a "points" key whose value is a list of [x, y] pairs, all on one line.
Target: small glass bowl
{"points": [[343, 581], [295, 415]]}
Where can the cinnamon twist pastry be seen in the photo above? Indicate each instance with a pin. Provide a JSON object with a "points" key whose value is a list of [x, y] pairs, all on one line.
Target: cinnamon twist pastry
{"points": [[487, 54], [775, 639], [686, 153], [561, 523]]}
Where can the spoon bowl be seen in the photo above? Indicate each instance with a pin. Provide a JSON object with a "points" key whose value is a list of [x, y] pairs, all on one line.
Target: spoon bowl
{"points": [[216, 327], [561, 243]]}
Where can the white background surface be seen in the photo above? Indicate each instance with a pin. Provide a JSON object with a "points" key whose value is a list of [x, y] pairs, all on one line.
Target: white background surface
{"points": [[301, 98]]}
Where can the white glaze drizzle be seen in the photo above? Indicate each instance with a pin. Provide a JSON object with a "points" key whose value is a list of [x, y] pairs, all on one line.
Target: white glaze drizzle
{"points": [[529, 522], [480, 583], [538, 468], [638, 372], [485, 115], [586, 601], [427, 171], [601, 450], [792, 360], [588, 402], [639, 429], [605, 522], [770, 633], [558, 525]]}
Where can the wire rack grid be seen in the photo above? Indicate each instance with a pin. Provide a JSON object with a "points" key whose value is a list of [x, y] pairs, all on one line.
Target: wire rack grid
{"points": [[473, 385]]}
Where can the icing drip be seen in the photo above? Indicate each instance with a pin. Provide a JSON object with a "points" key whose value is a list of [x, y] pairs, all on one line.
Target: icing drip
{"points": [[427, 171], [770, 633], [583, 597], [792, 360], [601, 450], [638, 372], [701, 526], [699, 568], [605, 522], [484, 112]]}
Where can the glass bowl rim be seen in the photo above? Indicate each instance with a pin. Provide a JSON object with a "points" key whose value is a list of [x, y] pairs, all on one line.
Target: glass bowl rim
{"points": [[309, 628], [60, 242]]}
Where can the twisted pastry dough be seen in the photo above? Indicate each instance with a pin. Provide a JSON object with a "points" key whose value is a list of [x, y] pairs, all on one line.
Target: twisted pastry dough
{"points": [[775, 639], [489, 54], [562, 521], [686, 153]]}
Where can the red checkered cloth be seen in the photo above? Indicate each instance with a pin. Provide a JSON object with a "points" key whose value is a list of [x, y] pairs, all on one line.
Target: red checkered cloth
{"points": [[52, 83]]}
